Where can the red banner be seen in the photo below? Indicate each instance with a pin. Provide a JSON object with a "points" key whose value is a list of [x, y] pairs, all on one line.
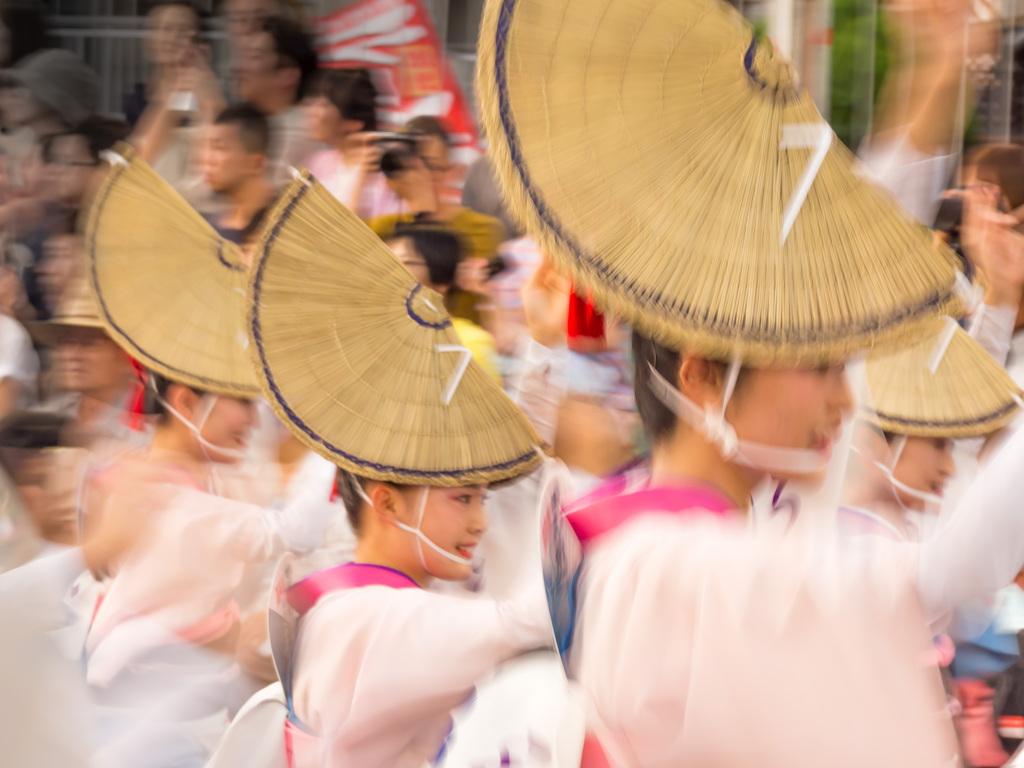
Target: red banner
{"points": [[396, 40]]}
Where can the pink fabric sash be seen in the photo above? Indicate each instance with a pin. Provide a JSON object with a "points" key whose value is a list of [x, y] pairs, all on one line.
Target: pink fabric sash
{"points": [[304, 595], [608, 508]]}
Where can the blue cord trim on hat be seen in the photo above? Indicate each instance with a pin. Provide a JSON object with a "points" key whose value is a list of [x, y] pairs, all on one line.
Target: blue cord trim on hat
{"points": [[1008, 408], [748, 63], [225, 262], [423, 321], [649, 296], [257, 335], [117, 170]]}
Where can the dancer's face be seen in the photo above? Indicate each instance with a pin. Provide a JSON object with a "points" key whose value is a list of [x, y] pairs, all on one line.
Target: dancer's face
{"points": [[230, 424], [926, 465], [792, 407]]}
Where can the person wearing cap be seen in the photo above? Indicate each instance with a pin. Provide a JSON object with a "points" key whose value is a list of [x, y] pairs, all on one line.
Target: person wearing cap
{"points": [[730, 229], [49, 91], [93, 375], [171, 293], [383, 387]]}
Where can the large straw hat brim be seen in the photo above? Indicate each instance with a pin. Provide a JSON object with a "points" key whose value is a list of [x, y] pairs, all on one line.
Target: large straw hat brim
{"points": [[170, 291], [358, 359], [641, 142], [966, 394]]}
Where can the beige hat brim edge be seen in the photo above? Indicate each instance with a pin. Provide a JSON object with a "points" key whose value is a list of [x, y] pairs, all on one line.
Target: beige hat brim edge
{"points": [[496, 476], [976, 427], [196, 381], [525, 206], [44, 332]]}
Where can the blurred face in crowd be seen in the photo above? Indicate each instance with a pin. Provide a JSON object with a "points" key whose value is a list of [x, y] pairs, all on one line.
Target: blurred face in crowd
{"points": [[172, 31], [246, 17], [62, 257], [228, 164], [413, 261], [926, 465], [262, 75], [19, 107], [434, 153], [73, 167], [326, 122], [46, 484], [90, 363]]}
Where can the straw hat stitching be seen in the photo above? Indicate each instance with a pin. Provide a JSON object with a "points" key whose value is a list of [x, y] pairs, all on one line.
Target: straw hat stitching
{"points": [[122, 337], [1004, 410], [927, 307], [527, 458]]}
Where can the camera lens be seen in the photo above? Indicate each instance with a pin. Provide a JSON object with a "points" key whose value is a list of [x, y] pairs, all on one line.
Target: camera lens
{"points": [[393, 161]]}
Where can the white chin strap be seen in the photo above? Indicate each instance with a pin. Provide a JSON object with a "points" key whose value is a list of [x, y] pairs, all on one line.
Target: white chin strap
{"points": [[417, 532], [897, 451], [711, 423], [209, 400]]}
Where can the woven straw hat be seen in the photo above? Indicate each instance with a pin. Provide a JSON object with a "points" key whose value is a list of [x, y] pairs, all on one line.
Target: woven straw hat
{"points": [[677, 169], [362, 362], [943, 385], [77, 309], [170, 290]]}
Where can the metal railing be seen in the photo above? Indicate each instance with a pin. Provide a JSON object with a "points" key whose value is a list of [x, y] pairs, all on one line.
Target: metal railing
{"points": [[114, 46]]}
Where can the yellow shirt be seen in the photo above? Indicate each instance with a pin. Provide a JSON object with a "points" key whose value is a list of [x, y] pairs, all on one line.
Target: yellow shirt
{"points": [[480, 343], [480, 236]]}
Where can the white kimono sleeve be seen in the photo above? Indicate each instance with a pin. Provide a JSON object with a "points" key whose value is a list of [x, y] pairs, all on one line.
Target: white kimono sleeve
{"points": [[32, 596], [981, 547]]}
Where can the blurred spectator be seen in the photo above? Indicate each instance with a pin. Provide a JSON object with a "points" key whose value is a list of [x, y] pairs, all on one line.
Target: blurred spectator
{"points": [[61, 262], [343, 115], [45, 93], [23, 31], [482, 194], [1001, 165], [180, 101], [278, 64], [432, 255], [74, 156], [246, 17], [27, 443], [420, 181], [69, 161], [93, 375], [237, 167], [19, 364], [48, 92], [172, 28]]}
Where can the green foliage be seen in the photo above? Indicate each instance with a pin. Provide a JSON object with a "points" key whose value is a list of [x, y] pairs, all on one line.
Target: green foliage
{"points": [[854, 91]]}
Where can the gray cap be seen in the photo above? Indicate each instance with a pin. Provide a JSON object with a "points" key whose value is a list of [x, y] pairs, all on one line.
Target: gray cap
{"points": [[61, 81]]}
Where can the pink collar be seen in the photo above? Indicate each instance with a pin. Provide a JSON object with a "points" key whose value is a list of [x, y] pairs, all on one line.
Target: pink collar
{"points": [[609, 507], [305, 594]]}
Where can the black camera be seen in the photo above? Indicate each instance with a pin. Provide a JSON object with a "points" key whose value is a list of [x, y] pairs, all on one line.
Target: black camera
{"points": [[397, 149]]}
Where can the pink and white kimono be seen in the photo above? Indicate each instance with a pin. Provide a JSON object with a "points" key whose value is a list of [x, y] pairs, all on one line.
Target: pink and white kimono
{"points": [[161, 688], [702, 644], [380, 664]]}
